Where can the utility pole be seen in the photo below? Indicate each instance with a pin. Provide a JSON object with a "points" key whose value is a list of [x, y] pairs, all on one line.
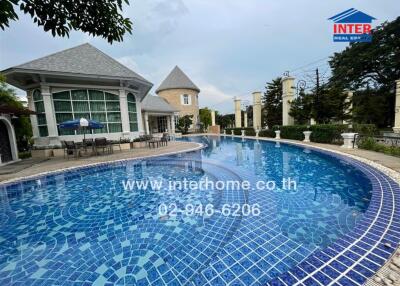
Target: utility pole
{"points": [[317, 99]]}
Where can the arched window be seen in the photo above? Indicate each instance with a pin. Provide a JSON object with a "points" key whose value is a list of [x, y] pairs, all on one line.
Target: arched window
{"points": [[132, 112], [40, 113]]}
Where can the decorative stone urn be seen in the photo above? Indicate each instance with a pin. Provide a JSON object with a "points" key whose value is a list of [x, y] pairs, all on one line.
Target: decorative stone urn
{"points": [[277, 134], [257, 131], [243, 133], [307, 136], [224, 132], [232, 133], [348, 140]]}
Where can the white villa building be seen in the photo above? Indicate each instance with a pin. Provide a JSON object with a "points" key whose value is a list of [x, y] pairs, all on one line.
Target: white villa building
{"points": [[84, 82]]}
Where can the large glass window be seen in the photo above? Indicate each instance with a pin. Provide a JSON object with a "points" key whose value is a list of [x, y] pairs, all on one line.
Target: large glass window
{"points": [[133, 123], [90, 104], [40, 113]]}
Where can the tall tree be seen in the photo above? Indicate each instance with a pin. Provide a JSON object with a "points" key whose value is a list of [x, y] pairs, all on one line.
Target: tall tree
{"points": [[205, 117], [375, 64], [184, 123], [371, 106], [272, 100], [225, 121], [301, 108], [96, 17]]}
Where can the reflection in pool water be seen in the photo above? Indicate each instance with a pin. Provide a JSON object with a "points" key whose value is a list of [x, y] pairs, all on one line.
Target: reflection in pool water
{"points": [[82, 226]]}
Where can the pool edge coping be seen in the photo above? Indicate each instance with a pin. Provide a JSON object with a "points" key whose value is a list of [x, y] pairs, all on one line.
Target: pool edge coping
{"points": [[200, 146]]}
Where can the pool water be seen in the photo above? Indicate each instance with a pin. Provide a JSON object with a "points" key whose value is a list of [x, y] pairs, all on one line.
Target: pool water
{"points": [[81, 227]]}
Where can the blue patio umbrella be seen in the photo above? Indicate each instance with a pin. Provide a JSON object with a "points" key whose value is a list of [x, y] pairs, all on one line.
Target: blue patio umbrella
{"points": [[81, 123]]}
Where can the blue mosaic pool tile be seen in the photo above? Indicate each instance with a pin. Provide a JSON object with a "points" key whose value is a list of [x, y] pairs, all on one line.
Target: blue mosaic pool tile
{"points": [[346, 282], [118, 244]]}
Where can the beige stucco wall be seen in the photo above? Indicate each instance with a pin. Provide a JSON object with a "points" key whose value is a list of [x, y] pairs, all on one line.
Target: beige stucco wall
{"points": [[173, 96]]}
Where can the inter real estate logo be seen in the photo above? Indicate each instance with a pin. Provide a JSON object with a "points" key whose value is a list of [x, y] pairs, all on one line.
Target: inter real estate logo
{"points": [[352, 26]]}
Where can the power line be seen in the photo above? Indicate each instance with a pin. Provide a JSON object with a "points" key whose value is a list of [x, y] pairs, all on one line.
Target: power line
{"points": [[309, 64]]}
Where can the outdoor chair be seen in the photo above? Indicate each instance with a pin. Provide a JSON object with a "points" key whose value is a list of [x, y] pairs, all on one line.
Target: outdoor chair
{"points": [[88, 143], [103, 144], [154, 143], [70, 149], [164, 139]]}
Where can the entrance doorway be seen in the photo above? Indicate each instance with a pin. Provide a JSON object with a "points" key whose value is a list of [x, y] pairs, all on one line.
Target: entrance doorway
{"points": [[5, 147]]}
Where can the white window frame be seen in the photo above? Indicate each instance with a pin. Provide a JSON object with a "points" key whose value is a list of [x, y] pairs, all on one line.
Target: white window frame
{"points": [[184, 97]]}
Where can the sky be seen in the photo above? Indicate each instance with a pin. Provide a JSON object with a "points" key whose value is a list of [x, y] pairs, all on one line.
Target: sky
{"points": [[227, 47]]}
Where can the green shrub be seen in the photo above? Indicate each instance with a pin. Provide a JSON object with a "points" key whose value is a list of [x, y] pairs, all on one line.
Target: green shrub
{"points": [[24, 155], [248, 131], [328, 133], [369, 143], [294, 132], [365, 129], [267, 133]]}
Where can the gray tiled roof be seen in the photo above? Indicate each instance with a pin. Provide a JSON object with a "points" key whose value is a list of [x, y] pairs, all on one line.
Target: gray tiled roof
{"points": [[82, 59], [177, 79], [156, 103]]}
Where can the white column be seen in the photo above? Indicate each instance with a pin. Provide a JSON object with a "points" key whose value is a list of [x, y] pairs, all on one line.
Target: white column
{"points": [[49, 111], [123, 105], [31, 106], [146, 123], [396, 127], [287, 98], [172, 124], [238, 113], [257, 110], [212, 117], [141, 127], [169, 123], [349, 99], [245, 119]]}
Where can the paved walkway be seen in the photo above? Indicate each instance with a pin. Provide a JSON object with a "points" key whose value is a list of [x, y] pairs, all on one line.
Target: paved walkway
{"points": [[31, 167]]}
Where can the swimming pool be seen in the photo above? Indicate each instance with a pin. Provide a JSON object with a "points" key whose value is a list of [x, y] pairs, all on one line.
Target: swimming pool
{"points": [[82, 226]]}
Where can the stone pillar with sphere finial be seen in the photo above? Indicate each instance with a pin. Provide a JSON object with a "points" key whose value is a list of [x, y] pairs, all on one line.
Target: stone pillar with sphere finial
{"points": [[257, 110], [287, 98], [396, 127], [238, 113]]}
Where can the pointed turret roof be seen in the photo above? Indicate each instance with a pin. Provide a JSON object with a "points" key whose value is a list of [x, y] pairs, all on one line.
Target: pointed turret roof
{"points": [[177, 79]]}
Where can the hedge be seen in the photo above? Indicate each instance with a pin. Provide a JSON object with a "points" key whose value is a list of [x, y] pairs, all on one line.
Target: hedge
{"points": [[324, 133], [369, 143], [321, 133], [248, 131], [267, 133]]}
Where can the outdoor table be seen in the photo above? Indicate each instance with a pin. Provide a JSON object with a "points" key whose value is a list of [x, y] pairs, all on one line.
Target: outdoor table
{"points": [[153, 143]]}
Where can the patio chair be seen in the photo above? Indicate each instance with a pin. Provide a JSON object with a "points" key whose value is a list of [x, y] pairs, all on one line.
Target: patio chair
{"points": [[164, 139], [71, 149], [88, 143], [103, 144]]}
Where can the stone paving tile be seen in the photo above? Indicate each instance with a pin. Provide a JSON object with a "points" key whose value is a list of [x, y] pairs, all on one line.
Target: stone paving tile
{"points": [[57, 163]]}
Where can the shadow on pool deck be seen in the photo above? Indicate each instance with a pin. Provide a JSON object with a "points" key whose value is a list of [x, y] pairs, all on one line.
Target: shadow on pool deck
{"points": [[33, 166]]}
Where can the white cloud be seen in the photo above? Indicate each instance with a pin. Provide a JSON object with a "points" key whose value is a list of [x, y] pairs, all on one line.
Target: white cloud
{"points": [[214, 98]]}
